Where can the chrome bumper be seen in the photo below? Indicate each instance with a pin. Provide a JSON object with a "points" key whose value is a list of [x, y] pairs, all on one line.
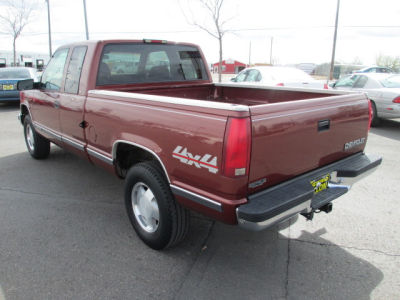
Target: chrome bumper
{"points": [[281, 202]]}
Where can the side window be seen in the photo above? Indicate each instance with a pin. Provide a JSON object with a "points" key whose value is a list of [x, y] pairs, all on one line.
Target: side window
{"points": [[74, 70], [52, 76], [360, 83]]}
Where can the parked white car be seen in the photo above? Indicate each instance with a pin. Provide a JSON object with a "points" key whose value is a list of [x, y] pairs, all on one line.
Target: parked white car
{"points": [[383, 90], [278, 76]]}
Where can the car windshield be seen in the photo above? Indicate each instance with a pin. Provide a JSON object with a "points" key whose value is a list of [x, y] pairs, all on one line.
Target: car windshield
{"points": [[14, 73], [391, 82]]}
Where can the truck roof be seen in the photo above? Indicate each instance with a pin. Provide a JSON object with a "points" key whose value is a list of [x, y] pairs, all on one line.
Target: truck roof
{"points": [[123, 41]]}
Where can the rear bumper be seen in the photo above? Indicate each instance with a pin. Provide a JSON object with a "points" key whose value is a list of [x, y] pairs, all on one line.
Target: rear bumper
{"points": [[287, 199], [6, 96]]}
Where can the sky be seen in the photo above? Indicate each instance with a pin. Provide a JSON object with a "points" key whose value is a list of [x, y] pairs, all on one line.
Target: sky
{"points": [[300, 31]]}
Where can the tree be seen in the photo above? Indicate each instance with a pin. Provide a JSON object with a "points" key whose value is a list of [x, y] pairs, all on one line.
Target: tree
{"points": [[215, 28], [388, 61], [16, 15]]}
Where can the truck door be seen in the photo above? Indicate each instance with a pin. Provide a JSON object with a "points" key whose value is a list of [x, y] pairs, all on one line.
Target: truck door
{"points": [[46, 100], [72, 103]]}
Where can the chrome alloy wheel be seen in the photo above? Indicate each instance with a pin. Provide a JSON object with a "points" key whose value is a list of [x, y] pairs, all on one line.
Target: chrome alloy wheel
{"points": [[145, 207], [29, 137]]}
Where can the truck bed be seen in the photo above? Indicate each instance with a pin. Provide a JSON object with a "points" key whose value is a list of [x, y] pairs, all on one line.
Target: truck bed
{"points": [[232, 93], [293, 130]]}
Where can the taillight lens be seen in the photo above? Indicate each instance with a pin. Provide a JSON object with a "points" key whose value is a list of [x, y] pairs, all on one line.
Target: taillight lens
{"points": [[280, 84], [370, 114], [396, 100], [325, 86], [237, 147]]}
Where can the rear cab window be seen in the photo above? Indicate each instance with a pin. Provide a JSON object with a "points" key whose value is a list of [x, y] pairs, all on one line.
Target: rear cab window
{"points": [[147, 63]]}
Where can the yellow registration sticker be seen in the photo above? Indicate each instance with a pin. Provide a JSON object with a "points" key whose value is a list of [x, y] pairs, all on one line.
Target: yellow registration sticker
{"points": [[320, 184], [8, 87]]}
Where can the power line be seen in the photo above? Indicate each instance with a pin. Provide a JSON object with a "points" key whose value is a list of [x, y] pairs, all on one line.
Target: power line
{"points": [[232, 30]]}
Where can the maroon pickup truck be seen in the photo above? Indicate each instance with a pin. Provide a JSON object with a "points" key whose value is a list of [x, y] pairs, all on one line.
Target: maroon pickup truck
{"points": [[149, 112]]}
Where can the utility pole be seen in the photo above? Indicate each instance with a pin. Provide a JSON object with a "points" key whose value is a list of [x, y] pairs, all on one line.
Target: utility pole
{"points": [[250, 54], [270, 52], [334, 42], [48, 21], [86, 25]]}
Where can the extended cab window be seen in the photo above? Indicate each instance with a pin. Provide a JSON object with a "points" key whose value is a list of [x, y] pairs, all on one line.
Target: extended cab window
{"points": [[52, 76], [74, 70], [142, 63]]}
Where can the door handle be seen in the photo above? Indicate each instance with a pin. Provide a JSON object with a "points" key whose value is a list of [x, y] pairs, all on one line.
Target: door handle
{"points": [[324, 125]]}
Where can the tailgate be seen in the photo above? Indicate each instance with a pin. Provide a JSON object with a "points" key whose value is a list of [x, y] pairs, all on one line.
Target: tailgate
{"points": [[291, 138]]}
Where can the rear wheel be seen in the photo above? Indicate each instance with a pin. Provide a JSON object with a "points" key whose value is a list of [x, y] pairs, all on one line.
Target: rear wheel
{"points": [[157, 218], [375, 119], [38, 146]]}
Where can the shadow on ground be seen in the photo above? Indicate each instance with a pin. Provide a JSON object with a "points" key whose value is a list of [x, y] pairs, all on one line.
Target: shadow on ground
{"points": [[64, 231], [388, 128], [6, 107]]}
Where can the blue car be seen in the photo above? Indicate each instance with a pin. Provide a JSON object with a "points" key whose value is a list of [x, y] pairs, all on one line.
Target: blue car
{"points": [[9, 78]]}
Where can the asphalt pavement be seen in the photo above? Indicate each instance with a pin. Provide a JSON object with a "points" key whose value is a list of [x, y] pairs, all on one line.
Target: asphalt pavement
{"points": [[64, 234]]}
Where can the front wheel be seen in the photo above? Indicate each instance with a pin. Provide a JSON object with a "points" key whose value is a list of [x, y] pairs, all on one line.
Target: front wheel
{"points": [[158, 219], [38, 146]]}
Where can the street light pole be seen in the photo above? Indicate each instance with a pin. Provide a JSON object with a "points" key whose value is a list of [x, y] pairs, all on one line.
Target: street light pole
{"points": [[334, 42], [48, 21], [270, 52], [86, 24]]}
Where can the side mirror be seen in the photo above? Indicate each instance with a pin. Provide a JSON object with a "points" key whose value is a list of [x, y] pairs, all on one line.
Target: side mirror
{"points": [[38, 85], [233, 79], [26, 84], [332, 85]]}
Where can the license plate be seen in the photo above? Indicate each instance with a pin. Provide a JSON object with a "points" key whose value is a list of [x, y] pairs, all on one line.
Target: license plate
{"points": [[8, 87], [320, 184]]}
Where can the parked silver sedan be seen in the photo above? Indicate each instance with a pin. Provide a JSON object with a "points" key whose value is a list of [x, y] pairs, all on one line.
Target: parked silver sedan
{"points": [[383, 90], [278, 76]]}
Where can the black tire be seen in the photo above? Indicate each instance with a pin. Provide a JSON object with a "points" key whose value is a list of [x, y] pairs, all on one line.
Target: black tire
{"points": [[173, 220], [38, 146], [375, 119]]}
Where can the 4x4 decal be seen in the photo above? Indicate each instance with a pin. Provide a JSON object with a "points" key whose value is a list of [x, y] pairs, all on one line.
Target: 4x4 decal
{"points": [[206, 161]]}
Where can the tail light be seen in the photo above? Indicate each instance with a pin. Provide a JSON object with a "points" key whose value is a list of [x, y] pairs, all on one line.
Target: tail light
{"points": [[236, 157], [396, 100], [370, 114], [325, 86], [280, 84]]}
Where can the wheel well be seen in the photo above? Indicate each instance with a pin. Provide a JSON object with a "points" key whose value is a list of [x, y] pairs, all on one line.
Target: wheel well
{"points": [[128, 155], [24, 112]]}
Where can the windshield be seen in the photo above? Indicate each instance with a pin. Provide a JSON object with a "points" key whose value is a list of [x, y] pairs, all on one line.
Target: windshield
{"points": [[391, 82], [141, 63], [14, 73]]}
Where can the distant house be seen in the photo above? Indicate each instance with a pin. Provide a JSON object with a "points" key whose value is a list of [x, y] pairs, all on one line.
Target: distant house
{"points": [[229, 66]]}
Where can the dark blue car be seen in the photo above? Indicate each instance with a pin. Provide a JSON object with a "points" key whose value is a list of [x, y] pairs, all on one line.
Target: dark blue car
{"points": [[9, 78]]}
